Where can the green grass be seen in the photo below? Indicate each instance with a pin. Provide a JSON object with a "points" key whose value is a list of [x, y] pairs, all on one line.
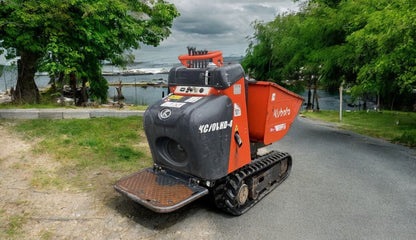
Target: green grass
{"points": [[397, 127], [43, 178], [89, 142], [138, 107], [77, 155], [12, 226], [45, 235], [84, 145]]}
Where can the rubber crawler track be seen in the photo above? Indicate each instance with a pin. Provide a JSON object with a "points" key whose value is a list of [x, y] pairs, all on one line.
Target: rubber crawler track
{"points": [[226, 190]]}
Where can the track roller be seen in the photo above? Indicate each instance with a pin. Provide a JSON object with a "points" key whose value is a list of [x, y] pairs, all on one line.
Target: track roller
{"points": [[240, 190]]}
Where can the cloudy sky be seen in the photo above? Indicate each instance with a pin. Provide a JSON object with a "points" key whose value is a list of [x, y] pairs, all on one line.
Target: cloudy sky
{"points": [[218, 24], [212, 25]]}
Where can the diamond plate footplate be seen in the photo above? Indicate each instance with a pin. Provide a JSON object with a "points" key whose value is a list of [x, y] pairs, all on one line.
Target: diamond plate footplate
{"points": [[159, 191]]}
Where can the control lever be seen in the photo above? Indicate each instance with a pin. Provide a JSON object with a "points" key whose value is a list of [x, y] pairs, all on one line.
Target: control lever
{"points": [[237, 139]]}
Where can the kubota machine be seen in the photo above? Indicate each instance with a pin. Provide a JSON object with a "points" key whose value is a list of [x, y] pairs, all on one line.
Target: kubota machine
{"points": [[204, 138]]}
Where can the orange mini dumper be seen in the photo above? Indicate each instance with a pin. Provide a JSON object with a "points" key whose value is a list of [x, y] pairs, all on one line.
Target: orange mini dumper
{"points": [[204, 138]]}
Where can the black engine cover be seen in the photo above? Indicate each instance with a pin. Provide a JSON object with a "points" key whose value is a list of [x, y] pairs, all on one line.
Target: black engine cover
{"points": [[191, 134]]}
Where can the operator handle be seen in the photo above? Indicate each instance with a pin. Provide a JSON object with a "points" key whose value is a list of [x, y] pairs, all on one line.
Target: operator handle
{"points": [[197, 59]]}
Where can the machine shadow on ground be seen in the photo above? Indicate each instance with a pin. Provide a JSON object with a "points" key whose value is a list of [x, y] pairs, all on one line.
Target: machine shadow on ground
{"points": [[159, 221]]}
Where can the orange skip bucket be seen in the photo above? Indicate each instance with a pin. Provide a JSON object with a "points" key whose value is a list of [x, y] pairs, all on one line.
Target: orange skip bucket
{"points": [[271, 111]]}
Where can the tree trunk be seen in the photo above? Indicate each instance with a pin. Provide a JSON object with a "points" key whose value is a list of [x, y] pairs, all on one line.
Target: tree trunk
{"points": [[313, 97], [73, 85], [120, 95], [52, 82], [309, 104], [315, 94], [392, 102], [26, 90], [378, 102], [84, 95]]}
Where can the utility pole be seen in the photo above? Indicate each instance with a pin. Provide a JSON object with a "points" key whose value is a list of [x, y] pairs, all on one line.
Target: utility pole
{"points": [[340, 100]]}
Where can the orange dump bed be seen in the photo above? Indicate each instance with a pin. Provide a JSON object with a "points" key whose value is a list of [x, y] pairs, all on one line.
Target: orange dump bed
{"points": [[271, 111]]}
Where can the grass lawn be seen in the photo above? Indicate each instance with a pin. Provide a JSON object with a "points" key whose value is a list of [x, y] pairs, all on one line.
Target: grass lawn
{"points": [[394, 126], [85, 146], [60, 159]]}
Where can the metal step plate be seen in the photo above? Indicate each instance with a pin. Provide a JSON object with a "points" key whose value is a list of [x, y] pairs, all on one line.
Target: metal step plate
{"points": [[158, 190]]}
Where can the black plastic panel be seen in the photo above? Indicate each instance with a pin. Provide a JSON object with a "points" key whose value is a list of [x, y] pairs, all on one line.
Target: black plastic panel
{"points": [[191, 135]]}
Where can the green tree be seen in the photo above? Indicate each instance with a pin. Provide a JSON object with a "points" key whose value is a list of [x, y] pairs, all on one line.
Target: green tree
{"points": [[72, 37], [368, 44], [273, 52], [295, 47], [385, 50]]}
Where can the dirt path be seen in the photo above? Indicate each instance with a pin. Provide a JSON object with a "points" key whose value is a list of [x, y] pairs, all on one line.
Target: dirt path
{"points": [[29, 212]]}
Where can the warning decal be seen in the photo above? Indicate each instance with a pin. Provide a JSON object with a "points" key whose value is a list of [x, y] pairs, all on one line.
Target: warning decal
{"points": [[175, 97], [173, 104], [278, 128], [192, 99]]}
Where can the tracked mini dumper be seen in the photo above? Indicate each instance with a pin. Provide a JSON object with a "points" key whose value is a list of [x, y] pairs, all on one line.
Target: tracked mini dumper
{"points": [[204, 138]]}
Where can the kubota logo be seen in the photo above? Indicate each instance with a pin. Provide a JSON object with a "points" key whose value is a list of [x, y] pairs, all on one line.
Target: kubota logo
{"points": [[165, 113], [281, 112]]}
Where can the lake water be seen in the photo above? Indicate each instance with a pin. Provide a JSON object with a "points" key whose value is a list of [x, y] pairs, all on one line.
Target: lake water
{"points": [[158, 71], [133, 95]]}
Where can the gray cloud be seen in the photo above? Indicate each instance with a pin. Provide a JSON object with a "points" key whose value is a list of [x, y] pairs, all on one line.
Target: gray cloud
{"points": [[219, 24], [260, 10], [230, 19], [192, 24]]}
